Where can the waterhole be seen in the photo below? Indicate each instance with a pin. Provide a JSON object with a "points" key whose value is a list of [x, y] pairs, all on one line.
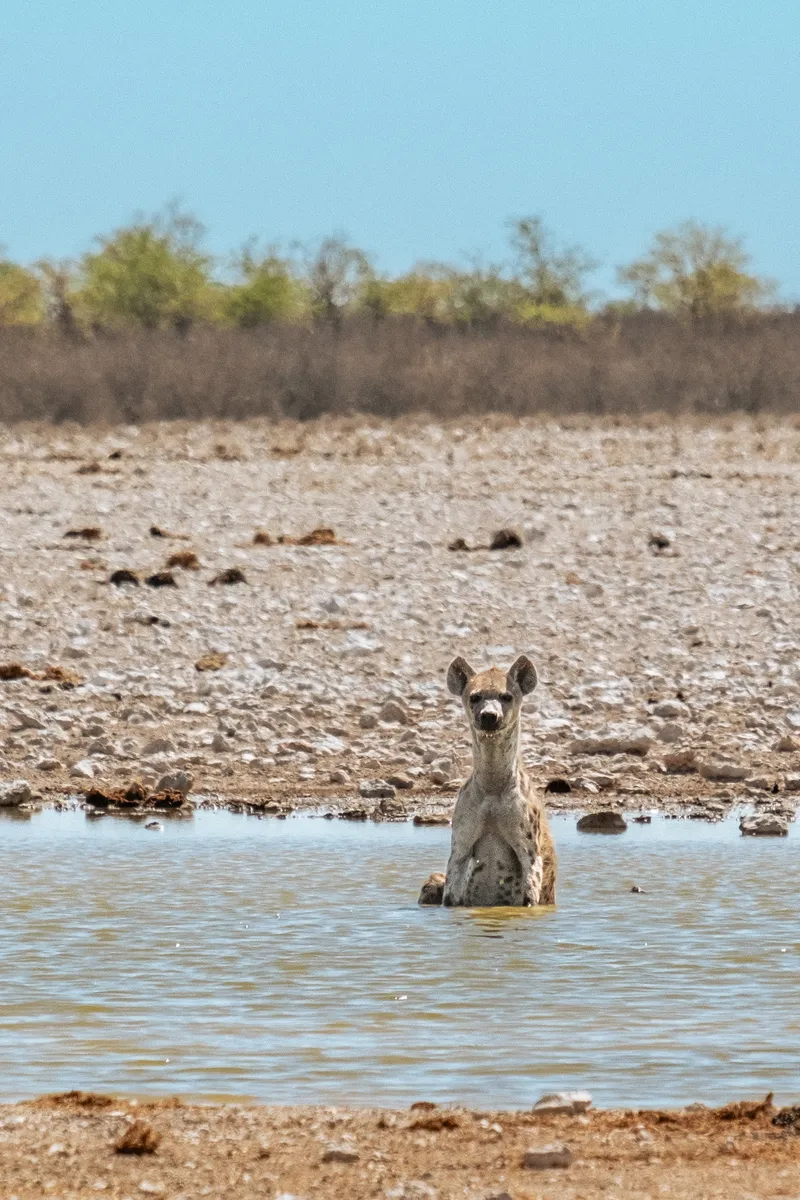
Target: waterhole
{"points": [[288, 962]]}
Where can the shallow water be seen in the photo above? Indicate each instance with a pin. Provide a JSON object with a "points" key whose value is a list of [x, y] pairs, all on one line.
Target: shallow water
{"points": [[287, 961]]}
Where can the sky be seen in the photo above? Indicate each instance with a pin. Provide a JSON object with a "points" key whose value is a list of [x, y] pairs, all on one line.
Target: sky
{"points": [[417, 129]]}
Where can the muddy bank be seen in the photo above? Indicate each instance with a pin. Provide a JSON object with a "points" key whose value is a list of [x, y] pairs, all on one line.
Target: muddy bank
{"points": [[80, 1145]]}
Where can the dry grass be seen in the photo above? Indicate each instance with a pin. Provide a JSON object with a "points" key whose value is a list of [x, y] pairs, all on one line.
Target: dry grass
{"points": [[386, 368]]}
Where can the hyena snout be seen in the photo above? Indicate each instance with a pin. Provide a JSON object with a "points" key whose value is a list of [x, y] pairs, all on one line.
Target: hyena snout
{"points": [[490, 715]]}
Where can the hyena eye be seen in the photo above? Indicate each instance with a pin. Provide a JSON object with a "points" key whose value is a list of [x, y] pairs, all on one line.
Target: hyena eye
{"points": [[475, 698], [506, 698]]}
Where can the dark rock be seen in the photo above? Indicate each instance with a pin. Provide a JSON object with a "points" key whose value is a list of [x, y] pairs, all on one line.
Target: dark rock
{"points": [[606, 821]]}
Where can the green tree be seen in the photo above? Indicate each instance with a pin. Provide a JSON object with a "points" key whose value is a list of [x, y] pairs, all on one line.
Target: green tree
{"points": [[336, 275], [152, 273], [21, 298], [269, 291], [550, 278], [695, 271]]}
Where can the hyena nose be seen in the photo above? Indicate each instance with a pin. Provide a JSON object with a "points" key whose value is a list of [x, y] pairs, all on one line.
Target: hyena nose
{"points": [[490, 715]]}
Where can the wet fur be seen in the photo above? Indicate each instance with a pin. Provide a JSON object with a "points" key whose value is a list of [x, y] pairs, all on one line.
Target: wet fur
{"points": [[502, 851]]}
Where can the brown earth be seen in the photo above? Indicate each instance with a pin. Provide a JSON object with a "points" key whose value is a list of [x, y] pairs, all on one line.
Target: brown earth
{"points": [[64, 1147]]}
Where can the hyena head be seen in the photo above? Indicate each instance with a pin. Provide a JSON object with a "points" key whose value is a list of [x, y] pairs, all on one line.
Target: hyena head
{"points": [[492, 699]]}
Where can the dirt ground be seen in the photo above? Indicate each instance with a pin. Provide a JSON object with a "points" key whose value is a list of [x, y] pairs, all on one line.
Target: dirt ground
{"points": [[65, 1147], [657, 566]]}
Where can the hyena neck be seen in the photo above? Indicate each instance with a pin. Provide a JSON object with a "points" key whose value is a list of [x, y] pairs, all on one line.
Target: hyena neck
{"points": [[496, 762]]}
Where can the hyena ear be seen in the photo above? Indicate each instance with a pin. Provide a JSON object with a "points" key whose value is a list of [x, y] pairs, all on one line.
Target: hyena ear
{"points": [[523, 674], [459, 674]]}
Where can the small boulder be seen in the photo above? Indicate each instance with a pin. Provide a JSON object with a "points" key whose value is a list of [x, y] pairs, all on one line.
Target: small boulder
{"points": [[84, 769], [376, 789], [766, 825], [506, 539], [14, 793], [394, 710], [176, 781], [722, 772], [605, 821]]}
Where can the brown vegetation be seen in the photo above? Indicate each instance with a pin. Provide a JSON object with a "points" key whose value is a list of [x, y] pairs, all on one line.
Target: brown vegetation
{"points": [[631, 365]]}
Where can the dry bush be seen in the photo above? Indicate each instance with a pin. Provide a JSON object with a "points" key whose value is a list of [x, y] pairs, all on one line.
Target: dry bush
{"points": [[390, 367]]}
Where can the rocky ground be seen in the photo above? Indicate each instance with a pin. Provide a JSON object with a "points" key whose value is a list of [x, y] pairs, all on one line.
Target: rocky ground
{"points": [[71, 1147], [655, 587]]}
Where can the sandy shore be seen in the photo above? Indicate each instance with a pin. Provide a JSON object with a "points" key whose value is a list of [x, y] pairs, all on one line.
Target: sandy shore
{"points": [[655, 587], [65, 1147]]}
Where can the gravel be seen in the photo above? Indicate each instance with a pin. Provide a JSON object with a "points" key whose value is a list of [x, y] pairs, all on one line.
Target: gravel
{"points": [[653, 663]]}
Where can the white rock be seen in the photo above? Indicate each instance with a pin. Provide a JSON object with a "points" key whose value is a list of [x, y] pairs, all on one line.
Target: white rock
{"points": [[16, 791], [670, 708], [722, 771], [83, 769], [376, 789]]}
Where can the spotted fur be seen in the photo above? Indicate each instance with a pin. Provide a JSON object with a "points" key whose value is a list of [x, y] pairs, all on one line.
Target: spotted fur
{"points": [[502, 852]]}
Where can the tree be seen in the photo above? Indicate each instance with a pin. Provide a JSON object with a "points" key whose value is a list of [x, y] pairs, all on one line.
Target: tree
{"points": [[695, 271], [269, 291], [549, 278], [21, 298], [152, 273], [336, 275]]}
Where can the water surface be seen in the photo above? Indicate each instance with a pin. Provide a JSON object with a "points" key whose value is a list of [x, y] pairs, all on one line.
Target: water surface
{"points": [[287, 961]]}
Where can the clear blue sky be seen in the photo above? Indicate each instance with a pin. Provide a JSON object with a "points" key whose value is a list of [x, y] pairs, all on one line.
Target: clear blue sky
{"points": [[416, 128]]}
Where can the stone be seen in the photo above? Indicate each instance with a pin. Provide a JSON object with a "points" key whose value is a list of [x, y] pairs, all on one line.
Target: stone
{"points": [[219, 743], [683, 762], [48, 764], [340, 777], [176, 781], [546, 1158], [670, 708], [722, 771], [792, 783], [14, 793], [368, 721], [400, 780], [377, 789], [563, 1102], [394, 710], [637, 744], [786, 745], [670, 732], [25, 719], [432, 889], [340, 1154], [159, 745], [84, 769], [766, 825], [605, 821]]}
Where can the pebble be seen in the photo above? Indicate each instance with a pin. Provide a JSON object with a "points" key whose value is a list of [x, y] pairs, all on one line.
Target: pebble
{"points": [[48, 764], [156, 826]]}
